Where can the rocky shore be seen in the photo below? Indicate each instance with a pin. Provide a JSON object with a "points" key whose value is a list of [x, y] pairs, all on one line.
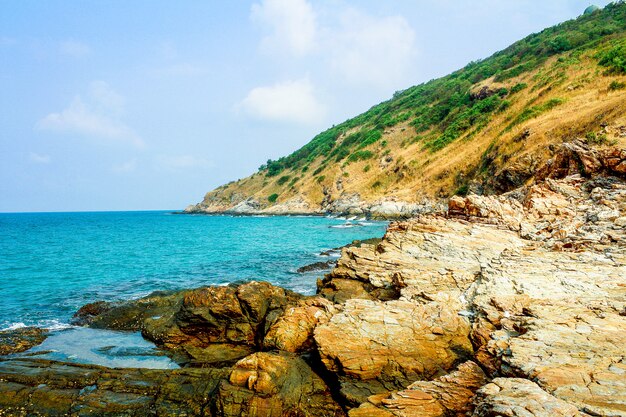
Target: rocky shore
{"points": [[509, 305]]}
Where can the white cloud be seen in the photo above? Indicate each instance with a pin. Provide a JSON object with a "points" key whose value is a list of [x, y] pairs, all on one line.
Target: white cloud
{"points": [[75, 48], [290, 101], [39, 158], [97, 117], [374, 51], [183, 162], [125, 167], [291, 23]]}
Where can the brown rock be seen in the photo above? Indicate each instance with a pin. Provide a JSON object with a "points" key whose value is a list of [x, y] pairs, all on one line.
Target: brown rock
{"points": [[293, 331], [19, 340], [376, 346], [275, 385], [450, 394]]}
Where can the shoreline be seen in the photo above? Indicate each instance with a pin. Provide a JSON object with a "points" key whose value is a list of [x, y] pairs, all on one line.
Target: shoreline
{"points": [[496, 302]]}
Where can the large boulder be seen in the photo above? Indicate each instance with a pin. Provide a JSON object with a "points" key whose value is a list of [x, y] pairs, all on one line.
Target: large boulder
{"points": [[383, 346], [275, 385]]}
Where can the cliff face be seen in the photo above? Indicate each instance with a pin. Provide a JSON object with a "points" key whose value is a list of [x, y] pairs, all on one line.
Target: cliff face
{"points": [[485, 129], [508, 305]]}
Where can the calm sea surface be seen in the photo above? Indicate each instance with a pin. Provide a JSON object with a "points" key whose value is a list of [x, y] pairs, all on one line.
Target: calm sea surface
{"points": [[53, 263]]}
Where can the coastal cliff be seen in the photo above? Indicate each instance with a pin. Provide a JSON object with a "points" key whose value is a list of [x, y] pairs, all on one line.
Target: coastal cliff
{"points": [[509, 305]]}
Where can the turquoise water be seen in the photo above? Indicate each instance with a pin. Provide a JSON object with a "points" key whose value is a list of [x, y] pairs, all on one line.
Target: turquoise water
{"points": [[53, 263]]}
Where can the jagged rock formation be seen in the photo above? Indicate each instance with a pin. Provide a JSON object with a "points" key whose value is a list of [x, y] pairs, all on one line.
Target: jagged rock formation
{"points": [[509, 305]]}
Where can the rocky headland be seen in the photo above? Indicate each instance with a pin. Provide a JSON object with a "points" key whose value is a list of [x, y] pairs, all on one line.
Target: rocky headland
{"points": [[503, 305]]}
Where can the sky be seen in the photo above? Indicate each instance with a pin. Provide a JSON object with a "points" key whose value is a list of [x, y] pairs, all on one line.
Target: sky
{"points": [[141, 105]]}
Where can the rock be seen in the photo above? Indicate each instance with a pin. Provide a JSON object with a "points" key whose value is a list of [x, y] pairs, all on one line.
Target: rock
{"points": [[539, 272], [274, 384], [293, 330], [39, 387], [220, 324], [376, 346], [248, 206], [316, 266], [130, 315], [450, 394], [20, 340], [515, 397]]}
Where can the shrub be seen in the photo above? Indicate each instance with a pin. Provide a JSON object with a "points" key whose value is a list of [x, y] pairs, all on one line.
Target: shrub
{"points": [[518, 87], [321, 178], [282, 180], [534, 111], [614, 59], [462, 190], [616, 85], [360, 156], [594, 139], [366, 168], [272, 198]]}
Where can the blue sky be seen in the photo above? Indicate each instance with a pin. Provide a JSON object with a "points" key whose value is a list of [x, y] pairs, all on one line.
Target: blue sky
{"points": [[130, 105]]}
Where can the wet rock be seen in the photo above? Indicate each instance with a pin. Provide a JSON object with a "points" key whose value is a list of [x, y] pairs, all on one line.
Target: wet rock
{"points": [[220, 324], [274, 384], [316, 266], [20, 340], [46, 388]]}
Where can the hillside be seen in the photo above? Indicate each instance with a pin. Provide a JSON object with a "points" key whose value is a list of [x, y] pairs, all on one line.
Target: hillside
{"points": [[483, 129]]}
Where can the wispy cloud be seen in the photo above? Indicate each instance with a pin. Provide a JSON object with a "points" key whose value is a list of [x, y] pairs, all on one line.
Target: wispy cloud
{"points": [[98, 116], [291, 25], [289, 101], [371, 50], [362, 49], [39, 158], [74, 48]]}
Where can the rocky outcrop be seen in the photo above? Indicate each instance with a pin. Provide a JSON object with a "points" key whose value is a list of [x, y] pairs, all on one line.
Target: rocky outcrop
{"points": [[35, 387], [242, 349], [274, 385], [538, 272], [376, 347], [19, 340], [450, 394]]}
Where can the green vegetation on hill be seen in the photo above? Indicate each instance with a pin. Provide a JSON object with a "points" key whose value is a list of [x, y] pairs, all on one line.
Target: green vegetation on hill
{"points": [[442, 110]]}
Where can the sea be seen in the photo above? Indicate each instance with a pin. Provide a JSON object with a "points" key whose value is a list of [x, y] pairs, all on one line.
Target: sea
{"points": [[51, 264]]}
